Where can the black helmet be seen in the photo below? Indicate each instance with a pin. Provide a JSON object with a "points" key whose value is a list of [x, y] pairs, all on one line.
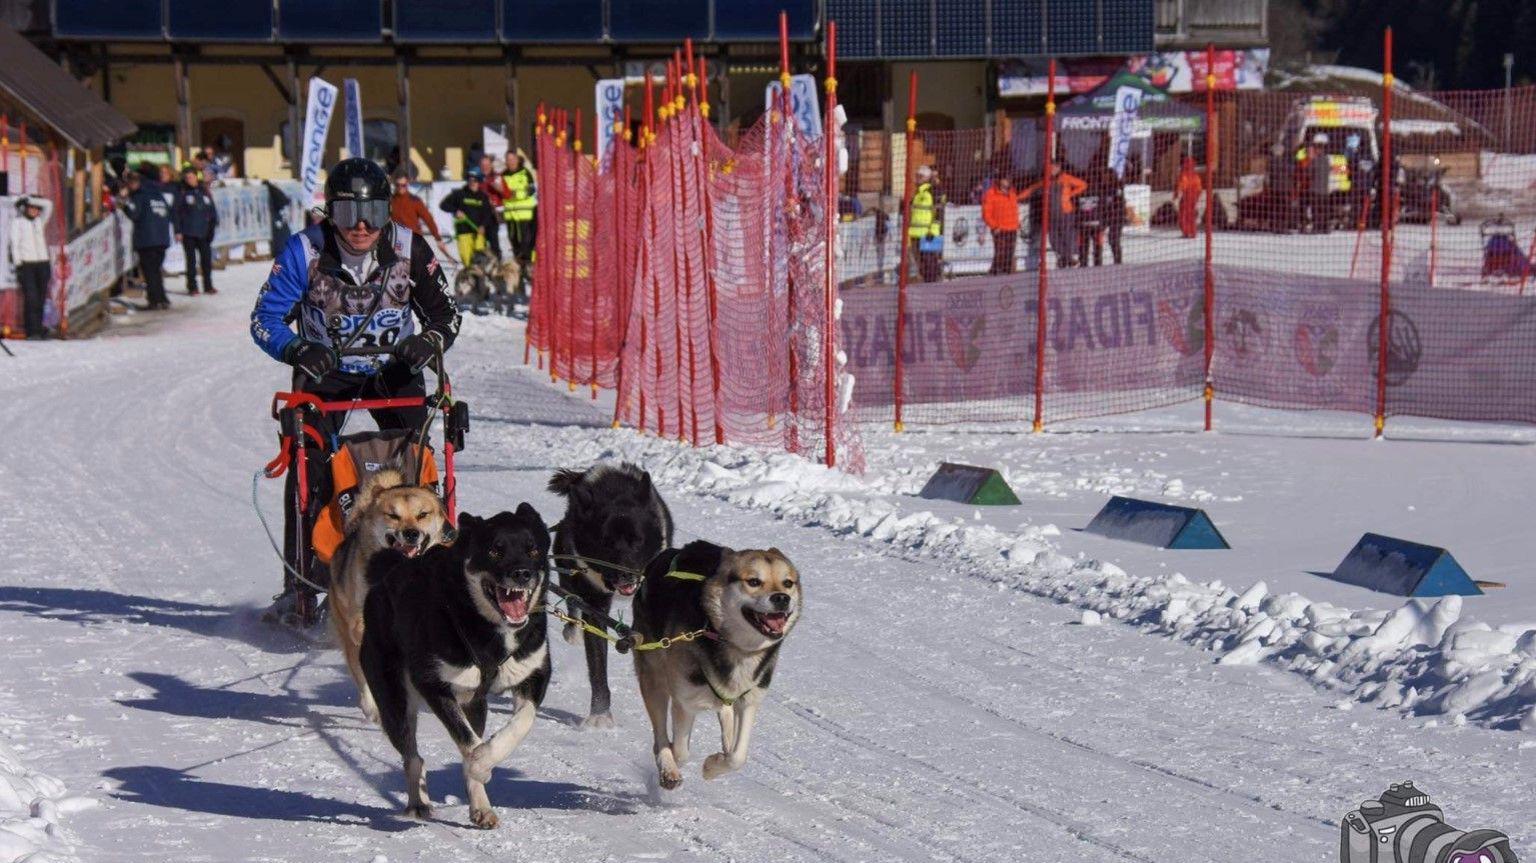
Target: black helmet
{"points": [[357, 179]]}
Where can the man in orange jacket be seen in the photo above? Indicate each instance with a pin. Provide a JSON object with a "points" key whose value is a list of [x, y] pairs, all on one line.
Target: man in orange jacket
{"points": [[1000, 211], [1064, 191], [410, 211], [1188, 190]]}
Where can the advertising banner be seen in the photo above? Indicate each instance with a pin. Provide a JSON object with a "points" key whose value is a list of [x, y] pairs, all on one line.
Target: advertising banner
{"points": [[355, 144], [610, 113], [1170, 71], [317, 123], [803, 104]]}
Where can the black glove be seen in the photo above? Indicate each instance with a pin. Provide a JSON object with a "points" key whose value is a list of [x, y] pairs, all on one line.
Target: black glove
{"points": [[311, 358], [417, 350]]}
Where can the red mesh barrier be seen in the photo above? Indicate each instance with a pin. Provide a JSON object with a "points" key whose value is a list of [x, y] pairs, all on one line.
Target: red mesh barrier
{"points": [[693, 274], [1257, 247]]}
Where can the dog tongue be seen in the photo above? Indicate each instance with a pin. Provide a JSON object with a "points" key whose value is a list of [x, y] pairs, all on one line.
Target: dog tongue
{"points": [[776, 622], [514, 605]]}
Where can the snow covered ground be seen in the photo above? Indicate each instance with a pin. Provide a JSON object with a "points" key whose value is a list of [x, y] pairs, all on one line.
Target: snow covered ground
{"points": [[943, 698]]}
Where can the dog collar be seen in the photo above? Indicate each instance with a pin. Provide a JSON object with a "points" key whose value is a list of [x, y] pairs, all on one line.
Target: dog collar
{"points": [[686, 576]]}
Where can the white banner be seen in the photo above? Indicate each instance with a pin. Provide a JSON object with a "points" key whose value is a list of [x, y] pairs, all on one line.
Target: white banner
{"points": [[317, 123], [245, 216], [98, 257], [610, 112], [1127, 105], [493, 141], [354, 118], [803, 104]]}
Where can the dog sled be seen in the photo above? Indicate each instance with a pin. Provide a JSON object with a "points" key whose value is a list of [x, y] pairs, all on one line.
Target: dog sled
{"points": [[350, 460], [485, 286]]}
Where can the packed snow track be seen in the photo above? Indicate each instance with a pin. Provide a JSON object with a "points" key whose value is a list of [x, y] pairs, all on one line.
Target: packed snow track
{"points": [[919, 713]]}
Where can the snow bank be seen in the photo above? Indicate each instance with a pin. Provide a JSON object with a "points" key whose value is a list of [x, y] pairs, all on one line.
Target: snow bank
{"points": [[31, 804], [1421, 658]]}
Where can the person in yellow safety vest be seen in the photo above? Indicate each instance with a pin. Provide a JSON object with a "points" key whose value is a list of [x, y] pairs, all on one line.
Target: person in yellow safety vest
{"points": [[927, 225], [519, 209]]}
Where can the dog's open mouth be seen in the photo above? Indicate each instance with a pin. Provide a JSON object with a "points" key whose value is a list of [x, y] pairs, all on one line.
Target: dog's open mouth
{"points": [[513, 604], [407, 548], [771, 624], [627, 588]]}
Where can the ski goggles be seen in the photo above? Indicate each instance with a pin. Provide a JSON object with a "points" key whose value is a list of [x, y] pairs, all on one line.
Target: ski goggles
{"points": [[347, 214]]}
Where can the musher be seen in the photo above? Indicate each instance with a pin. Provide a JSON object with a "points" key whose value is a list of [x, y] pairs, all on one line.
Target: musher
{"points": [[356, 279]]}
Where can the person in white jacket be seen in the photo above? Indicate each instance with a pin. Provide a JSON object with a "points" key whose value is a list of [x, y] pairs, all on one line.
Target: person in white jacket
{"points": [[31, 258]]}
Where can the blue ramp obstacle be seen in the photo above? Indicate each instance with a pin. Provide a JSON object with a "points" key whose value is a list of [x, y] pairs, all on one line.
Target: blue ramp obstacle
{"points": [[1403, 568], [1159, 524]]}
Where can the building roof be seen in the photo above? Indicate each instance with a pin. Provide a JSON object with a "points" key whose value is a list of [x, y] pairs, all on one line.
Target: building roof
{"points": [[37, 84]]}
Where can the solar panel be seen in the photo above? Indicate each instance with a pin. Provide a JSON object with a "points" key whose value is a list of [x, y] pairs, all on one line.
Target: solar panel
{"points": [[906, 28], [857, 27], [445, 21], [552, 21], [1127, 26], [1018, 28], [649, 21], [1073, 27], [961, 28], [758, 20], [229, 22], [107, 19], [330, 20]]}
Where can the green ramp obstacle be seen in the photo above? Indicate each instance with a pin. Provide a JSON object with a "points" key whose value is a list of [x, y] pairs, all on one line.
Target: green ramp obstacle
{"points": [[964, 483]]}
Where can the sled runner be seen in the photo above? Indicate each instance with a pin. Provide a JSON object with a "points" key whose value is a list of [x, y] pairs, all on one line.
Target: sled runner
{"points": [[350, 460]]}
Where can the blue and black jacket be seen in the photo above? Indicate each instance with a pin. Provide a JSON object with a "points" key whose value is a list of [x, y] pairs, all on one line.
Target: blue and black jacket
{"points": [[309, 286]]}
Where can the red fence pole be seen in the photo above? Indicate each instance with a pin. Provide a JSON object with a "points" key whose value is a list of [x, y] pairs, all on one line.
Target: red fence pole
{"points": [[829, 323], [1387, 211], [1434, 232], [1045, 230], [786, 113], [899, 384], [1210, 192], [620, 167], [572, 263], [701, 129], [597, 133]]}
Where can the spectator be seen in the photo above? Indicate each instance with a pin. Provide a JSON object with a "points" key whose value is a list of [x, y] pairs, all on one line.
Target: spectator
{"points": [[1280, 186], [412, 212], [520, 210], [164, 176], [1187, 190], [221, 162], [1000, 212], [195, 219], [925, 232], [31, 258], [150, 213], [1107, 193], [473, 217], [1062, 210], [495, 193], [1318, 170], [392, 162]]}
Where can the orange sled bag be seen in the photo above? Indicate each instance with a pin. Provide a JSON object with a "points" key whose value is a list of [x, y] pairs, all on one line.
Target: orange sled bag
{"points": [[359, 457]]}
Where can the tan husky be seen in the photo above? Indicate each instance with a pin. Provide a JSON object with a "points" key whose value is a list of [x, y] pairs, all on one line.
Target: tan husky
{"points": [[389, 515]]}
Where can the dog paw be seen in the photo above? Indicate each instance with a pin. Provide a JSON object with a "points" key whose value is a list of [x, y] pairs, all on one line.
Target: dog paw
{"points": [[571, 634], [598, 721], [419, 811], [671, 779], [717, 765], [485, 819], [370, 710]]}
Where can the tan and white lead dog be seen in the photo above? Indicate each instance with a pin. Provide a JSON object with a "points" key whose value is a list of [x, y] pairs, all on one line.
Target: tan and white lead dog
{"points": [[737, 607], [389, 515]]}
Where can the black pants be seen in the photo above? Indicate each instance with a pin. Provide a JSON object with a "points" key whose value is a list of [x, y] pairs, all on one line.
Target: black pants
{"points": [[1317, 213], [1003, 248], [1090, 239], [493, 239], [33, 278], [198, 247], [523, 236], [395, 381], [151, 259]]}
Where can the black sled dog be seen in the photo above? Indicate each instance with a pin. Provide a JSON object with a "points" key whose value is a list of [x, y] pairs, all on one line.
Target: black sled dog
{"points": [[613, 515], [732, 610], [448, 629]]}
